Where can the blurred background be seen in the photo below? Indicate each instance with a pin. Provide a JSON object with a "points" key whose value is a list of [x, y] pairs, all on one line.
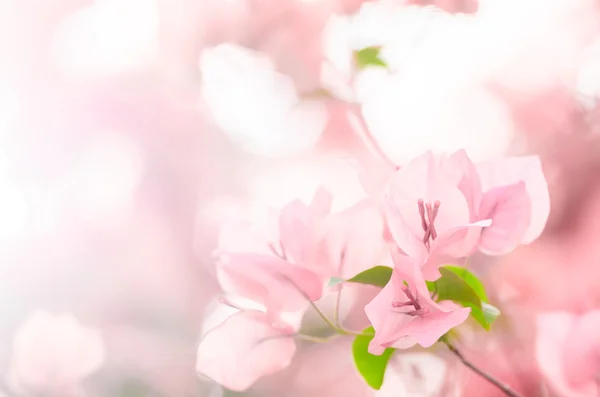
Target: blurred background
{"points": [[131, 129]]}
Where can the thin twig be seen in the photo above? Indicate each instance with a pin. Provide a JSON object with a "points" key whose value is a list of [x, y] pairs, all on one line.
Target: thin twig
{"points": [[327, 320], [331, 325], [362, 130], [338, 297], [339, 330], [336, 308], [502, 386]]}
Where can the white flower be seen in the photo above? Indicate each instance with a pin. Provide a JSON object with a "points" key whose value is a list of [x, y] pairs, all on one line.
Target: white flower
{"points": [[256, 106]]}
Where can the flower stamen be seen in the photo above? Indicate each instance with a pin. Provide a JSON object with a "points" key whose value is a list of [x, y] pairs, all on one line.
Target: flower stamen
{"points": [[412, 301], [428, 214]]}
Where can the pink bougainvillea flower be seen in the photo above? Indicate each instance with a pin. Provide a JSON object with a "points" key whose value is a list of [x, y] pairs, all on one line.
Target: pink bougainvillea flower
{"points": [[516, 198], [403, 313], [447, 207], [282, 274], [244, 348], [432, 206], [568, 352]]}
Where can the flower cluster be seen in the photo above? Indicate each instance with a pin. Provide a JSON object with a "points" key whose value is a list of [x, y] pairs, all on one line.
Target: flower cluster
{"points": [[434, 211]]}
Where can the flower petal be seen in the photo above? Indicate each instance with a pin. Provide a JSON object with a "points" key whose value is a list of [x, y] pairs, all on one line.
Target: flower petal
{"points": [[457, 242], [429, 328], [402, 234], [355, 249], [273, 282], [509, 207], [294, 230], [460, 167], [320, 206], [243, 349], [529, 170]]}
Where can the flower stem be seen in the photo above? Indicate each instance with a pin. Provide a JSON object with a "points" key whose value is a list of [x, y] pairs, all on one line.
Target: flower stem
{"points": [[336, 308], [362, 130], [324, 317], [334, 327], [502, 386]]}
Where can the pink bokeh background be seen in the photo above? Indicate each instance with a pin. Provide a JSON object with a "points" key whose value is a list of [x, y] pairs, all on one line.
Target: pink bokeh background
{"points": [[131, 130]]}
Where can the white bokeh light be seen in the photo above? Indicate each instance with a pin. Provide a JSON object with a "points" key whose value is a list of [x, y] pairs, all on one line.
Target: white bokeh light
{"points": [[108, 37], [109, 170]]}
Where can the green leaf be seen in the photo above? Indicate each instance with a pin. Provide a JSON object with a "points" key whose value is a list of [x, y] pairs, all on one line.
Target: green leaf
{"points": [[463, 287], [453, 288], [470, 279], [378, 276], [371, 367], [369, 57]]}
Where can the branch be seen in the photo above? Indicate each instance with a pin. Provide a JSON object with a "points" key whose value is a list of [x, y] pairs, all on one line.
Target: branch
{"points": [[502, 386]]}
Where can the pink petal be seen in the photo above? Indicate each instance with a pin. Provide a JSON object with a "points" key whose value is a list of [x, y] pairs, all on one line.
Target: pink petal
{"points": [[301, 230], [355, 249], [460, 167], [320, 205], [407, 269], [429, 328], [509, 207], [529, 170], [457, 242], [243, 349], [378, 309], [295, 224], [279, 285], [389, 331], [402, 234]]}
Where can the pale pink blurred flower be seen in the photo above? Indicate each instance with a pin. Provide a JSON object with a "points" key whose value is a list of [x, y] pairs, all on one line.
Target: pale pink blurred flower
{"points": [[54, 353], [257, 107], [568, 351], [245, 347], [403, 313]]}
